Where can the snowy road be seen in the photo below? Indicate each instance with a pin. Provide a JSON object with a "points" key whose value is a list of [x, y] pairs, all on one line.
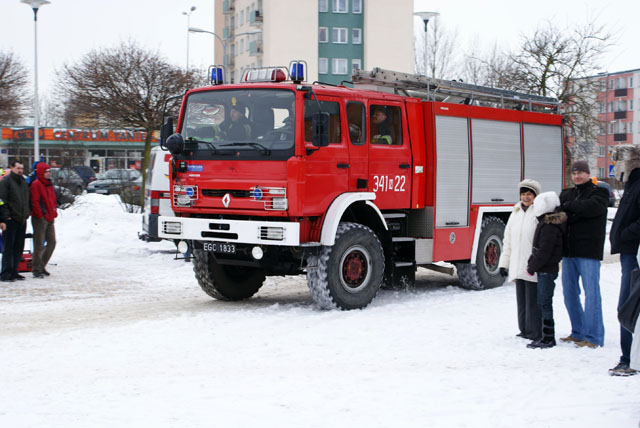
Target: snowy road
{"points": [[121, 335]]}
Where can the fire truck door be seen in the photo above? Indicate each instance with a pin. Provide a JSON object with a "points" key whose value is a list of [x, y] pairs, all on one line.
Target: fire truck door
{"points": [[389, 156], [327, 169], [358, 147]]}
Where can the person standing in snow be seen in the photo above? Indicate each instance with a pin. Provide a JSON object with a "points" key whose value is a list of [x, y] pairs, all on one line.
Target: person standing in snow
{"points": [[44, 204], [14, 192], [625, 238], [586, 207], [516, 249], [545, 259]]}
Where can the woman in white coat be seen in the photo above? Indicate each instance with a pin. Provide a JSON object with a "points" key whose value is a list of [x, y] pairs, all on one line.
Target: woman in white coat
{"points": [[517, 245]]}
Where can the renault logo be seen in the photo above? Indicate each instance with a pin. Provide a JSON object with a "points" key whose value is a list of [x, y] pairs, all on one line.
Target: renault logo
{"points": [[225, 200]]}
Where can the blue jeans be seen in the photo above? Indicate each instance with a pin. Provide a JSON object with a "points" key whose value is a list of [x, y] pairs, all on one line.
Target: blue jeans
{"points": [[628, 262], [546, 286], [587, 323]]}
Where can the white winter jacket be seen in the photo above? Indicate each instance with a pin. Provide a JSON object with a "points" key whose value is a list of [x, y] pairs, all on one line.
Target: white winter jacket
{"points": [[518, 243]]}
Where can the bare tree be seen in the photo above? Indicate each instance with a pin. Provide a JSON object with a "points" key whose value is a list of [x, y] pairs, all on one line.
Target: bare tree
{"points": [[442, 48], [125, 86], [13, 89], [560, 62]]}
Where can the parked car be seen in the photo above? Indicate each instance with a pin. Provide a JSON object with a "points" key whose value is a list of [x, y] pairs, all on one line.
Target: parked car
{"points": [[612, 195], [66, 177], [114, 181], [64, 197], [85, 172]]}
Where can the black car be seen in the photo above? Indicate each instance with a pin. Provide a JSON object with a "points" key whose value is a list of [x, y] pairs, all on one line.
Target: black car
{"points": [[67, 177], [114, 181], [612, 196], [85, 172]]}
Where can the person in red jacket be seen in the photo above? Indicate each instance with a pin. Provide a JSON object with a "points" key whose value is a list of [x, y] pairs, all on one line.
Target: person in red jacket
{"points": [[43, 213]]}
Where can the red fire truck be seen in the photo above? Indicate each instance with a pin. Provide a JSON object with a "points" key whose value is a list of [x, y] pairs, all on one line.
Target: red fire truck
{"points": [[354, 186]]}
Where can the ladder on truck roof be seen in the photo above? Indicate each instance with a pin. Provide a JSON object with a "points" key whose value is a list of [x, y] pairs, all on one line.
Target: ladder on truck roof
{"points": [[415, 85]]}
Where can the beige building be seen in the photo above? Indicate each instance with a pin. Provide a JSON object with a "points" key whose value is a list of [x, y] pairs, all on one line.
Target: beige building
{"points": [[332, 36]]}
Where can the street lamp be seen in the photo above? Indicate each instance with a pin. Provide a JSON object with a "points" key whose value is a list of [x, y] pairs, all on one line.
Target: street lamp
{"points": [[188, 15], [426, 16], [223, 41], [35, 5]]}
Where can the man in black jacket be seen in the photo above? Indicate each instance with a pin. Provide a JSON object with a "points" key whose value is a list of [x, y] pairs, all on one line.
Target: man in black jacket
{"points": [[14, 192], [625, 238], [586, 207]]}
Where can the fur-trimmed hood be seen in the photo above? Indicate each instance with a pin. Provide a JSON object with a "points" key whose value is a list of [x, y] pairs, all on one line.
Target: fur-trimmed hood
{"points": [[555, 218]]}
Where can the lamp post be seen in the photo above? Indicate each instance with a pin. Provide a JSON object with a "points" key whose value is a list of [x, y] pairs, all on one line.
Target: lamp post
{"points": [[426, 16], [35, 5], [223, 41], [188, 15]]}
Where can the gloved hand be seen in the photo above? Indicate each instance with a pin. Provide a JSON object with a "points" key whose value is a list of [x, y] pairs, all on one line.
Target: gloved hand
{"points": [[504, 272]]}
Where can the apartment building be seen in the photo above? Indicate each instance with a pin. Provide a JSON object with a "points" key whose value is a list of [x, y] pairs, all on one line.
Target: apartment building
{"points": [[618, 99], [332, 36]]}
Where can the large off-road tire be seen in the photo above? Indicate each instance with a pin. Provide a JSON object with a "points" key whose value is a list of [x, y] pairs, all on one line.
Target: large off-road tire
{"points": [[349, 273], [485, 273], [225, 282]]}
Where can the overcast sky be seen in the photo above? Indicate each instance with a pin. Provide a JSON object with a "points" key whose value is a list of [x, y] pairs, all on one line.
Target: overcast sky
{"points": [[67, 29]]}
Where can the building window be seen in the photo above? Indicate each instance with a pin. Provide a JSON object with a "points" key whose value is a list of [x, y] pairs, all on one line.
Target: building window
{"points": [[630, 127], [357, 6], [356, 36], [340, 6], [622, 105], [611, 84], [631, 82], [323, 35], [611, 107], [611, 128], [241, 20], [630, 105], [603, 85], [601, 152], [339, 66], [323, 5], [601, 173], [622, 83], [323, 65], [356, 64], [241, 49], [603, 108], [339, 35]]}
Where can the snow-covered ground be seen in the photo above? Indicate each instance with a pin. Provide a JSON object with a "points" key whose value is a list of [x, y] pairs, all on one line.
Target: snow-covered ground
{"points": [[121, 335]]}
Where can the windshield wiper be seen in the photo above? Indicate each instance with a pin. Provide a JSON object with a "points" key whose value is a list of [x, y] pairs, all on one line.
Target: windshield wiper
{"points": [[262, 148], [210, 145]]}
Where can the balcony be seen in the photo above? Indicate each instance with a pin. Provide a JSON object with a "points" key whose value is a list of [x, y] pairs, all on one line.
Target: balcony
{"points": [[227, 32], [620, 114], [619, 137], [228, 6], [620, 92], [255, 18], [229, 60], [255, 48]]}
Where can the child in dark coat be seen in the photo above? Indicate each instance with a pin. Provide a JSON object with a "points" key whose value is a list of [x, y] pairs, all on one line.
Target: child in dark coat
{"points": [[544, 260]]}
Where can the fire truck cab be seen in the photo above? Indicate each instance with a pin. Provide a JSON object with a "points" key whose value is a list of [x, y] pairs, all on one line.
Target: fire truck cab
{"points": [[354, 186]]}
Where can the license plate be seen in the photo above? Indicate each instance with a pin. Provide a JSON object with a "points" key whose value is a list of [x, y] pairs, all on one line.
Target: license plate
{"points": [[219, 247], [103, 191]]}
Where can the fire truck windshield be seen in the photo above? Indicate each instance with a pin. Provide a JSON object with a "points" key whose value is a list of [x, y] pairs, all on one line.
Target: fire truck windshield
{"points": [[247, 124]]}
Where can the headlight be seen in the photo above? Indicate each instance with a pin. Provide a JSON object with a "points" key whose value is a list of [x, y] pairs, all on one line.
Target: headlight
{"points": [[279, 204]]}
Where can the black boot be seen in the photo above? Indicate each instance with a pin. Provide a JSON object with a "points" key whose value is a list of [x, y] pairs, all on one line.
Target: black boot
{"points": [[548, 336]]}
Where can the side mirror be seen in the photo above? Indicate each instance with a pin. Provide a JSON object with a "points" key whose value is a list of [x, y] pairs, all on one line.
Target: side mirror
{"points": [[175, 144], [320, 129], [166, 130]]}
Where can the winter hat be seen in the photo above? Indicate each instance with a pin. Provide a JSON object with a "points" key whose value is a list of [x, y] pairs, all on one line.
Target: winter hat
{"points": [[581, 166], [529, 185], [545, 203]]}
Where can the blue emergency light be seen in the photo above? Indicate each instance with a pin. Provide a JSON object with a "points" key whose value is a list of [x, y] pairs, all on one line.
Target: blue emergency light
{"points": [[216, 74], [296, 70]]}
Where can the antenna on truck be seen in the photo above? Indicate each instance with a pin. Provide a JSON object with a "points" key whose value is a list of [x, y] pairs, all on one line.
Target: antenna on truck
{"points": [[415, 85]]}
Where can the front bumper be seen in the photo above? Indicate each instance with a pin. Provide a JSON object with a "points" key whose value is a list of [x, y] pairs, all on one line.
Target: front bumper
{"points": [[232, 231]]}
